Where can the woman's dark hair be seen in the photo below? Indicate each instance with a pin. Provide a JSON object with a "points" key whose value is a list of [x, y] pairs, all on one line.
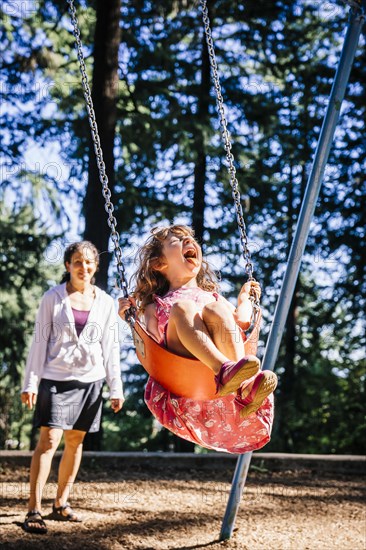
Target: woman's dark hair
{"points": [[84, 247]]}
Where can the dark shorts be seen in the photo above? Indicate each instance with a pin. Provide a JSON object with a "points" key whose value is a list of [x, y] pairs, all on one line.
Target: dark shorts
{"points": [[69, 405]]}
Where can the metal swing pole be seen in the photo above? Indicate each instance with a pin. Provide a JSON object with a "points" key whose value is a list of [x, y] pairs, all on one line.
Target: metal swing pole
{"points": [[356, 21]]}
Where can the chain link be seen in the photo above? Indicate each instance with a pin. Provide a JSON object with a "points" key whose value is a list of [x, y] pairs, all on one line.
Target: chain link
{"points": [[227, 144], [112, 222]]}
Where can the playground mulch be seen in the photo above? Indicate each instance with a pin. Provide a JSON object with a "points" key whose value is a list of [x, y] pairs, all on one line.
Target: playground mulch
{"points": [[168, 509]]}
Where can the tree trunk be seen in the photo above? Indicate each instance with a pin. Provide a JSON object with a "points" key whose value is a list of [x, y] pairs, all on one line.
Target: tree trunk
{"points": [[198, 214], [104, 94]]}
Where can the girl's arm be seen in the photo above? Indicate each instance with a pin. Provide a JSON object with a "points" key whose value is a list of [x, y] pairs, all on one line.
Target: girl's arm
{"points": [[244, 311], [151, 321]]}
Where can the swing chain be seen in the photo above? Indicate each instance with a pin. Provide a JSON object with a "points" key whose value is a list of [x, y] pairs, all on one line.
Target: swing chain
{"points": [[227, 144], [112, 222]]}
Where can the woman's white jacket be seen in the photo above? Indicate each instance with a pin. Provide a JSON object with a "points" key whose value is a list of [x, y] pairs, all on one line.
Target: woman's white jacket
{"points": [[57, 353]]}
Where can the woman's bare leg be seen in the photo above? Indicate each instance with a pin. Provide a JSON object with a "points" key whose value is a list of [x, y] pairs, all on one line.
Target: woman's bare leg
{"points": [[48, 442], [69, 465]]}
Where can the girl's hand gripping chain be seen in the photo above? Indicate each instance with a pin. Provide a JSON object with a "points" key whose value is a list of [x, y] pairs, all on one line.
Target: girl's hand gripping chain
{"points": [[124, 304], [243, 313]]}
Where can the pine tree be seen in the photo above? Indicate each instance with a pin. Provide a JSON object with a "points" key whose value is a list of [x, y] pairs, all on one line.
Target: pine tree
{"points": [[24, 276]]}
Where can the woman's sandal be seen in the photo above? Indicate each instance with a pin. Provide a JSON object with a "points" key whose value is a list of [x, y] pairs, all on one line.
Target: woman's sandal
{"points": [[34, 523], [65, 513]]}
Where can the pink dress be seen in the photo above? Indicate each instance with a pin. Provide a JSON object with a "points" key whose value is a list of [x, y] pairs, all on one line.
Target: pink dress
{"points": [[214, 424]]}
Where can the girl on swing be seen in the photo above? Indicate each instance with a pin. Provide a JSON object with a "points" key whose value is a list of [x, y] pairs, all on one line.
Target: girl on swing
{"points": [[176, 293]]}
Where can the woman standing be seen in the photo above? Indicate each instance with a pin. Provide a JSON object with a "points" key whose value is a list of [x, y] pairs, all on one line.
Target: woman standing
{"points": [[75, 348]]}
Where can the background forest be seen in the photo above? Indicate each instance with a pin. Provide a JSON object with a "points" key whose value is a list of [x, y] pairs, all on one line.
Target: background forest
{"points": [[149, 71]]}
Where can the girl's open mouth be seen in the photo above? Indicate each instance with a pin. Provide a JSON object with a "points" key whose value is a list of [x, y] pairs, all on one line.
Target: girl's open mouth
{"points": [[191, 257]]}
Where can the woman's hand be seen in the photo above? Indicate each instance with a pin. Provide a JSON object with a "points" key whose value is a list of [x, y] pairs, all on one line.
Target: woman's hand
{"points": [[29, 399], [117, 404], [124, 305]]}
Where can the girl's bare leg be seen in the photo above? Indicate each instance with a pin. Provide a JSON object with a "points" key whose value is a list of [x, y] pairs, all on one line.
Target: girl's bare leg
{"points": [[223, 330], [188, 335]]}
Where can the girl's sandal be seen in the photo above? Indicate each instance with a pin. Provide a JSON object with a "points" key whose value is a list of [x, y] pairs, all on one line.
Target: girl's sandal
{"points": [[250, 397], [34, 523], [65, 513]]}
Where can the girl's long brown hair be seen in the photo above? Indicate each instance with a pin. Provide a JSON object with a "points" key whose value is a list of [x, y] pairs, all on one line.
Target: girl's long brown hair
{"points": [[149, 281]]}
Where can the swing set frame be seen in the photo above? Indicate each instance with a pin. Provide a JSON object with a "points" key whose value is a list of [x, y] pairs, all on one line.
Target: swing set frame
{"points": [[354, 29]]}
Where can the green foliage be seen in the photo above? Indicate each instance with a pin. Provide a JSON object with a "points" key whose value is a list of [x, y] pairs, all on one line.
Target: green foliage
{"points": [[24, 276], [322, 410], [132, 428], [276, 63]]}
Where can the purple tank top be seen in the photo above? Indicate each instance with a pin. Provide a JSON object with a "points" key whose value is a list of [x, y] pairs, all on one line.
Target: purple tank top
{"points": [[81, 318]]}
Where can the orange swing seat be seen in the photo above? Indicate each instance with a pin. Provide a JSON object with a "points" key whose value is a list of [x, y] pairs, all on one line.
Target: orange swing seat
{"points": [[182, 376]]}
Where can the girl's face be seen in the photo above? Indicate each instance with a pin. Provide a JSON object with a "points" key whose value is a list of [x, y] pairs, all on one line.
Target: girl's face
{"points": [[181, 258], [82, 267]]}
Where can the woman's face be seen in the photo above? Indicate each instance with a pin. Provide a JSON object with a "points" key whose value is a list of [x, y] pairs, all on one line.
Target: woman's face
{"points": [[82, 267]]}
